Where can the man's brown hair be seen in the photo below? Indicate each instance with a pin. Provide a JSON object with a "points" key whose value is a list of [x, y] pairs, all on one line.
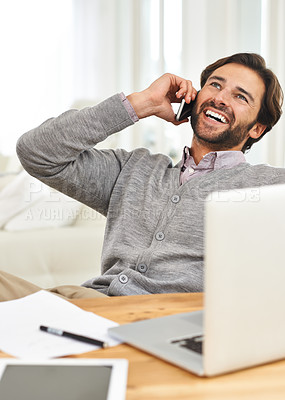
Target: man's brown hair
{"points": [[271, 105]]}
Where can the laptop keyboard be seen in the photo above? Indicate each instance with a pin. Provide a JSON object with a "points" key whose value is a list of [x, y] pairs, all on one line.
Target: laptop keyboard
{"points": [[194, 343]]}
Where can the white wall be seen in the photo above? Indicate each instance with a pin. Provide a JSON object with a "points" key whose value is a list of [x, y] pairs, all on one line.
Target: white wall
{"points": [[36, 69], [60, 54]]}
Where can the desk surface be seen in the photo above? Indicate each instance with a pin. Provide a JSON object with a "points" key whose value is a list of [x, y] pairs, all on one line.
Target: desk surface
{"points": [[151, 378]]}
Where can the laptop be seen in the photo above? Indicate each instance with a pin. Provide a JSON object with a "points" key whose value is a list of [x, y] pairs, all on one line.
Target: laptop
{"points": [[242, 323]]}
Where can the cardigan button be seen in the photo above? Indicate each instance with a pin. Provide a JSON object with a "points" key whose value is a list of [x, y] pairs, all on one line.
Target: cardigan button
{"points": [[123, 278], [175, 198], [142, 268], [159, 236]]}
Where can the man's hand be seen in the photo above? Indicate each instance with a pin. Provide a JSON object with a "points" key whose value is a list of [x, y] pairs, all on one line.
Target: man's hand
{"points": [[157, 98]]}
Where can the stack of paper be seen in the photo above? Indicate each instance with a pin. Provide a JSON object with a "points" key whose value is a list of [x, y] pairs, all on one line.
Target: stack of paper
{"points": [[20, 321]]}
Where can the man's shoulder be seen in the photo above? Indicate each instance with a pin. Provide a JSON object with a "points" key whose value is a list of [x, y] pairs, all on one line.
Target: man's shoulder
{"points": [[144, 155], [258, 167], [266, 168], [266, 172]]}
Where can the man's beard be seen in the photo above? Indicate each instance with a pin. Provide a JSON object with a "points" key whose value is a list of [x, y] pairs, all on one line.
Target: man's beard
{"points": [[227, 139]]}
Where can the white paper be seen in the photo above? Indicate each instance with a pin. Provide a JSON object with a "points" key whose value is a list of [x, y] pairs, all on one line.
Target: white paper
{"points": [[20, 321]]}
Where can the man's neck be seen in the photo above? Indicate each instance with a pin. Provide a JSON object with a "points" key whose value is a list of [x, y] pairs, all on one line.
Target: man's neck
{"points": [[200, 148]]}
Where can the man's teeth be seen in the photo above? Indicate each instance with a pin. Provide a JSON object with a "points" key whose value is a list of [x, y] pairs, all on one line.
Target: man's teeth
{"points": [[216, 116]]}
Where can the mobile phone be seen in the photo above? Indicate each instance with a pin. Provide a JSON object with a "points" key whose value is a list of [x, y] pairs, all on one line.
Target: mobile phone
{"points": [[185, 109]]}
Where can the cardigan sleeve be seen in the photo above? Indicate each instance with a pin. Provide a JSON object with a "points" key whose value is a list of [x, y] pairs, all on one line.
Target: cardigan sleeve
{"points": [[60, 152]]}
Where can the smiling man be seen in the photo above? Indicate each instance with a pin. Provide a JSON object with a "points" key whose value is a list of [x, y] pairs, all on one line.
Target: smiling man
{"points": [[154, 239], [226, 113]]}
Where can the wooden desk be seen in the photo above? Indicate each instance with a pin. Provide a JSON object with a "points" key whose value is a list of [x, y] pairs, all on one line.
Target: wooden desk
{"points": [[151, 378]]}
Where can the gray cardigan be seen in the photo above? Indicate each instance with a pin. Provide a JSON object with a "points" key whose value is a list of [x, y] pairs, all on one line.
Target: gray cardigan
{"points": [[154, 232]]}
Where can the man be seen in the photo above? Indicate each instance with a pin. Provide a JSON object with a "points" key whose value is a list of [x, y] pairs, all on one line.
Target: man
{"points": [[154, 231]]}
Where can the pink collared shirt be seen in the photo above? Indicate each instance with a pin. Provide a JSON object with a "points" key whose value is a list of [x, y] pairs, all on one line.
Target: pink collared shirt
{"points": [[211, 161]]}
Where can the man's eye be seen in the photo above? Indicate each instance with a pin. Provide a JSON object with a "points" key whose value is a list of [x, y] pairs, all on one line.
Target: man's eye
{"points": [[242, 97], [216, 85]]}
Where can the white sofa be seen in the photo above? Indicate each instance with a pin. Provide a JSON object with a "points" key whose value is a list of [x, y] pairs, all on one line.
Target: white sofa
{"points": [[46, 237]]}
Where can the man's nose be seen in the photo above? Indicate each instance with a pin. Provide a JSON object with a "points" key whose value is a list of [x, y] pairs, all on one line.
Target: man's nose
{"points": [[222, 97]]}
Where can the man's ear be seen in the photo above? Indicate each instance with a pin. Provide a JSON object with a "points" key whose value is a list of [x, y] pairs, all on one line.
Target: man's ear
{"points": [[257, 130]]}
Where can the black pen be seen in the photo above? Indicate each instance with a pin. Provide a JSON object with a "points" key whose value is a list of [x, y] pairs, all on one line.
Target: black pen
{"points": [[80, 338]]}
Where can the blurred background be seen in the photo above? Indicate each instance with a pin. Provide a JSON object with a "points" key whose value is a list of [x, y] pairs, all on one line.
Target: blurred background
{"points": [[61, 54]]}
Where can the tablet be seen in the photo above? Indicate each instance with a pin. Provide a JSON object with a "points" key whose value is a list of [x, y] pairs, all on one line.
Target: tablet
{"points": [[64, 379]]}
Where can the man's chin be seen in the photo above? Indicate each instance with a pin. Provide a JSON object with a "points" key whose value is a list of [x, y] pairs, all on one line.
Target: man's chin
{"points": [[213, 137]]}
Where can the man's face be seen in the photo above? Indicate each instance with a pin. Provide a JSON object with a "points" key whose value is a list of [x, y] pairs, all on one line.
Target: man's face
{"points": [[226, 110]]}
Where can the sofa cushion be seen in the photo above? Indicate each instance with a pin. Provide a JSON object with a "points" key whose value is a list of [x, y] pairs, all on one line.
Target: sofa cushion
{"points": [[26, 203], [5, 179]]}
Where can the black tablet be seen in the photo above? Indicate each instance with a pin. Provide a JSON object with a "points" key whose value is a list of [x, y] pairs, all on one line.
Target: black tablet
{"points": [[64, 379]]}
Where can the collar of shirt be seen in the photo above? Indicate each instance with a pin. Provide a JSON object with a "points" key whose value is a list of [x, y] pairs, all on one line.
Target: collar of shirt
{"points": [[210, 162]]}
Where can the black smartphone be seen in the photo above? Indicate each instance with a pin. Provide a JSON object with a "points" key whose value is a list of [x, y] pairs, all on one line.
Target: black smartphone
{"points": [[185, 109]]}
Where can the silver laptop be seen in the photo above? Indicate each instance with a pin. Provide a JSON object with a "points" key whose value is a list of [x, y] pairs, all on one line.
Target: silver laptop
{"points": [[243, 322]]}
